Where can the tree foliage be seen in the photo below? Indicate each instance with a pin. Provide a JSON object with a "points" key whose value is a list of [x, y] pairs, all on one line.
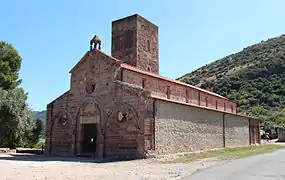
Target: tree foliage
{"points": [[254, 77], [17, 125], [37, 132], [10, 64], [14, 120]]}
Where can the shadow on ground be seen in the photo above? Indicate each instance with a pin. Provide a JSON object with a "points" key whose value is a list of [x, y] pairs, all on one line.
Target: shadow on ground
{"points": [[43, 158]]}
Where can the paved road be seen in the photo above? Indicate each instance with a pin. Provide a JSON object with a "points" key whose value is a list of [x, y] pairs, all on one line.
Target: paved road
{"points": [[261, 167]]}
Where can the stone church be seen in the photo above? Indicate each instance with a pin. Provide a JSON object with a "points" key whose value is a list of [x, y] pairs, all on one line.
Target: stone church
{"points": [[118, 106]]}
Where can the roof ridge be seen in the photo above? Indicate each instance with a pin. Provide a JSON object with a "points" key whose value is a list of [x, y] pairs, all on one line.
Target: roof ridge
{"points": [[91, 52]]}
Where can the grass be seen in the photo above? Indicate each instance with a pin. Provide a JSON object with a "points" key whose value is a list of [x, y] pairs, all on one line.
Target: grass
{"points": [[39, 144], [230, 153]]}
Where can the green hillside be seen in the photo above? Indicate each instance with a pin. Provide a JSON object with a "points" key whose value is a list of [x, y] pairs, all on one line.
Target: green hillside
{"points": [[253, 77], [40, 115]]}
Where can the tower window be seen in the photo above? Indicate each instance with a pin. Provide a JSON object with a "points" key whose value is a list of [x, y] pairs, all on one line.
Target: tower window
{"points": [[128, 39], [187, 95], [168, 92], [143, 83], [148, 45], [148, 69]]}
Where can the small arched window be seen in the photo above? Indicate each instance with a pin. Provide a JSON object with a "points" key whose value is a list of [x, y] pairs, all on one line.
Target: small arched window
{"points": [[148, 45], [143, 83], [187, 95], [168, 92]]}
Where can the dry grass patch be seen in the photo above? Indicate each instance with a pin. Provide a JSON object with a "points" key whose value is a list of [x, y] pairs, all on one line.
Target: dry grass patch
{"points": [[227, 153]]}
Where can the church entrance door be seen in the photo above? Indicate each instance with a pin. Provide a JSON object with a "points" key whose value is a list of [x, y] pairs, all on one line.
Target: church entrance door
{"points": [[89, 138]]}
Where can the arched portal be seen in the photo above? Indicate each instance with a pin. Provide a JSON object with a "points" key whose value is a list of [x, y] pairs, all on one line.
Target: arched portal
{"points": [[88, 129]]}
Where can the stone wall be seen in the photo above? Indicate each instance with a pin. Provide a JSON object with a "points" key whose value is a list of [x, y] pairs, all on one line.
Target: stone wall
{"points": [[254, 131], [96, 71], [59, 136], [147, 45], [124, 40], [182, 128], [236, 131], [135, 136], [179, 128]]}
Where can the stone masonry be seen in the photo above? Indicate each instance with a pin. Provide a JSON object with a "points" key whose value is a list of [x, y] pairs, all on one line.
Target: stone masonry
{"points": [[120, 107], [281, 134]]}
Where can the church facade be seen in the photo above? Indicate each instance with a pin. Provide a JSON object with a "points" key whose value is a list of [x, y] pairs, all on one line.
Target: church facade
{"points": [[119, 106]]}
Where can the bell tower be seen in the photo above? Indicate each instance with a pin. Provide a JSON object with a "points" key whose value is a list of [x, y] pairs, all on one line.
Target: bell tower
{"points": [[135, 42]]}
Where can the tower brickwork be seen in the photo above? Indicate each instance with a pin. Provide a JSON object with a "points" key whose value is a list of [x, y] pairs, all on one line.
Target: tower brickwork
{"points": [[135, 41]]}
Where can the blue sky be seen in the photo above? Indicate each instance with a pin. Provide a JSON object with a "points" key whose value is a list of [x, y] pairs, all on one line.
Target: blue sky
{"points": [[52, 36]]}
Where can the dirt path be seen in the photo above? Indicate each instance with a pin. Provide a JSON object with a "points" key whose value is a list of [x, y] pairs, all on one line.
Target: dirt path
{"points": [[24, 167]]}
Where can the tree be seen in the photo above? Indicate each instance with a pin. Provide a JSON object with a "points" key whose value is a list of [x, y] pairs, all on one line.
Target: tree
{"points": [[14, 117], [36, 132], [10, 64], [258, 111], [17, 125]]}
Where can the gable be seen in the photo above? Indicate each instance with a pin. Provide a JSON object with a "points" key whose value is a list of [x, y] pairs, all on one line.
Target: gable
{"points": [[95, 53], [93, 73]]}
